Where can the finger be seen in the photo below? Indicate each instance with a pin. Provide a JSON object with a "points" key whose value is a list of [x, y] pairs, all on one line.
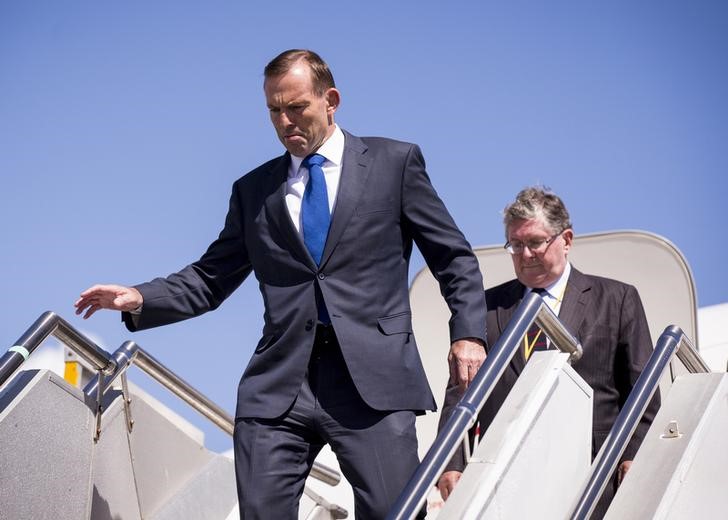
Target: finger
{"points": [[476, 364], [91, 311], [463, 375], [472, 370], [81, 305], [467, 373], [444, 490], [91, 291], [86, 296], [450, 484], [452, 365]]}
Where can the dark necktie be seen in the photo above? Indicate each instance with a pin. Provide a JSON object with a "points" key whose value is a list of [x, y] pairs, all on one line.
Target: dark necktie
{"points": [[535, 339], [315, 216]]}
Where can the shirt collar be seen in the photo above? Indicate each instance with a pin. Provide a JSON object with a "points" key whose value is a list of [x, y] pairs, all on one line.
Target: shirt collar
{"points": [[556, 289], [332, 149]]}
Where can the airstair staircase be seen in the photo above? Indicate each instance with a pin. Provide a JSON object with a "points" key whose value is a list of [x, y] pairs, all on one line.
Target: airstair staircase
{"points": [[109, 450]]}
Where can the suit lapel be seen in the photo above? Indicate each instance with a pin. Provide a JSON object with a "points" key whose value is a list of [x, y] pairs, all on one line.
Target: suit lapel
{"points": [[574, 305], [571, 314], [514, 296], [278, 211], [354, 174]]}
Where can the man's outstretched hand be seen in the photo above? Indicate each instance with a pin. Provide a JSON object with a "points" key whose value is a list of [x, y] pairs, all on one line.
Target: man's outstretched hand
{"points": [[112, 297]]}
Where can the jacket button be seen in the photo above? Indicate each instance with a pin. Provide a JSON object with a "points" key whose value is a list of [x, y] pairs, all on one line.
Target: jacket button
{"points": [[321, 276], [309, 325]]}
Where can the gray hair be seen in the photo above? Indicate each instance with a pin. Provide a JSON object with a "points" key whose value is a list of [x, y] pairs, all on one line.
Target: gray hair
{"points": [[538, 202]]}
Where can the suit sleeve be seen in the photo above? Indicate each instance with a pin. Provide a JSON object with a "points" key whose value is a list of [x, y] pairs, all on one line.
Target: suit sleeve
{"points": [[635, 348], [448, 255], [201, 286]]}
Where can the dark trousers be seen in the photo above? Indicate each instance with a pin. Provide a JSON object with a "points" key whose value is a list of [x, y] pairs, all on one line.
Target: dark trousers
{"points": [[377, 450]]}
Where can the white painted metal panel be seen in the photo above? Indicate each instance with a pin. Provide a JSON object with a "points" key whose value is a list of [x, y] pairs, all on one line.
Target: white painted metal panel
{"points": [[679, 471], [46, 430], [536, 452]]}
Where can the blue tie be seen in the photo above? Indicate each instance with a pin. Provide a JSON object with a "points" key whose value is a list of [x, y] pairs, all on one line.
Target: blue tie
{"points": [[315, 220], [315, 216]]}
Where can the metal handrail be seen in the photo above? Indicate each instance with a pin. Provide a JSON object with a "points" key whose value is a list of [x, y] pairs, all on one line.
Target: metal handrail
{"points": [[113, 366], [131, 354], [50, 323], [672, 341], [532, 309]]}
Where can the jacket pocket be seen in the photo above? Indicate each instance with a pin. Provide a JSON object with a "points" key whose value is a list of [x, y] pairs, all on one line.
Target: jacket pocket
{"points": [[375, 206], [397, 324]]}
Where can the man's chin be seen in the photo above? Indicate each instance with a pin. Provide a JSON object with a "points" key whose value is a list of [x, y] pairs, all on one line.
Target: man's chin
{"points": [[295, 146], [531, 280]]}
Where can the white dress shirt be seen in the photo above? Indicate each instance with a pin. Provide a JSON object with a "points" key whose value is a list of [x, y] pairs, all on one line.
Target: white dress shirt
{"points": [[333, 151], [555, 292]]}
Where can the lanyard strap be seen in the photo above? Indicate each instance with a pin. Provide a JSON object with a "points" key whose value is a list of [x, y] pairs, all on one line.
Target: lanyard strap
{"points": [[528, 347]]}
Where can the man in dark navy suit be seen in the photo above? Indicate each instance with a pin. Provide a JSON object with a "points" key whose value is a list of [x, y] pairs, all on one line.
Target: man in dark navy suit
{"points": [[337, 362]]}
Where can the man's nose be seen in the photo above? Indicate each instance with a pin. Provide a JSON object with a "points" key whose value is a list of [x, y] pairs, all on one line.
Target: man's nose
{"points": [[284, 120], [527, 252]]}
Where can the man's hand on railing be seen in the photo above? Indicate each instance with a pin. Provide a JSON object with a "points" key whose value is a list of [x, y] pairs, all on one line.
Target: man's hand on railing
{"points": [[622, 470], [466, 356], [113, 297], [447, 483]]}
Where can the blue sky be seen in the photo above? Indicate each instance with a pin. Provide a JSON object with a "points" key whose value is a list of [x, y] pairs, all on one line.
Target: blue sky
{"points": [[124, 124]]}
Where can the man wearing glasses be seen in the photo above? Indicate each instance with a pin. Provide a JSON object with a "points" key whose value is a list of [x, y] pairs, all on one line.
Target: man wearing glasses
{"points": [[605, 315]]}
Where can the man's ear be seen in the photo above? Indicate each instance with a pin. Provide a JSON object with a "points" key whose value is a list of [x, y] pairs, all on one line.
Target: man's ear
{"points": [[568, 239], [333, 100]]}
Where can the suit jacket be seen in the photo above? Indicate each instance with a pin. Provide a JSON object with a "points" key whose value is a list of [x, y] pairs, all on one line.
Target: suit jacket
{"points": [[607, 317], [384, 204]]}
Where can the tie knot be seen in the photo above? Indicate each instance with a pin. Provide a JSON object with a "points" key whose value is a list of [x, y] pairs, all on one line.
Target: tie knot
{"points": [[314, 159], [539, 290]]}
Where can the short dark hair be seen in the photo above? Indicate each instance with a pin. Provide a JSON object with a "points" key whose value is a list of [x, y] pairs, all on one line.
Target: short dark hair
{"points": [[538, 202], [320, 72]]}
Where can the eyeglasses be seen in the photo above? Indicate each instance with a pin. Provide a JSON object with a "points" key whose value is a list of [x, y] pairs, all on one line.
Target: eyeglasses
{"points": [[536, 246]]}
